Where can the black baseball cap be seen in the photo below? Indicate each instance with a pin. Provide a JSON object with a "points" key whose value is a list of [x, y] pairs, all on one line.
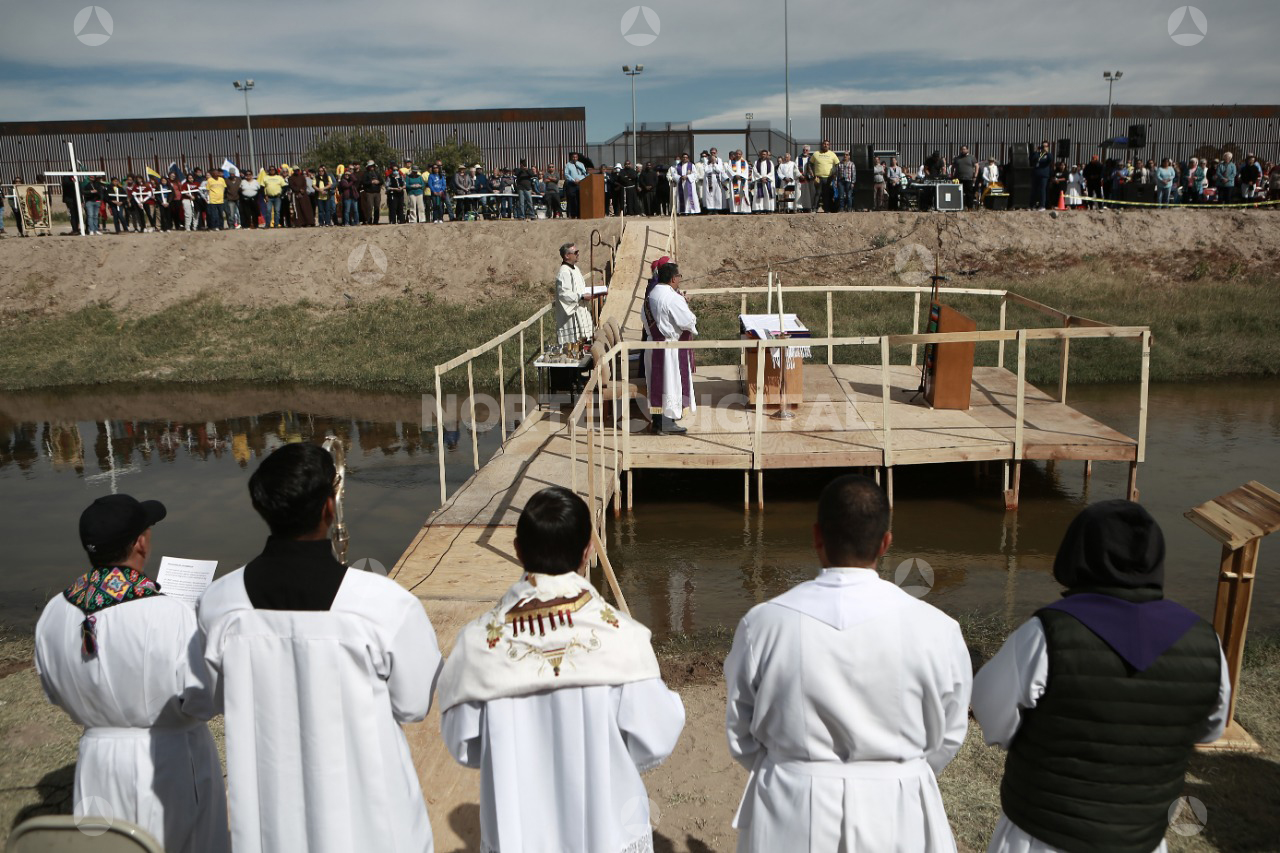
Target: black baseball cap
{"points": [[114, 521]]}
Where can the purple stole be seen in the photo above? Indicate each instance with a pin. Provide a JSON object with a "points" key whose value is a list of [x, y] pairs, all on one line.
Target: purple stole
{"points": [[764, 189]]}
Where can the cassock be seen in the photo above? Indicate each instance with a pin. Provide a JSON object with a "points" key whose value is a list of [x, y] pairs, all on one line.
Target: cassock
{"points": [[573, 317], [557, 699], [802, 182], [739, 186], [687, 179], [765, 196], [314, 697], [669, 372], [126, 663], [846, 696], [1011, 683], [714, 177]]}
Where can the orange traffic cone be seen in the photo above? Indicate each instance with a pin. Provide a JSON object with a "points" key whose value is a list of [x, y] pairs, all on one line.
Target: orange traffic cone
{"points": [[1062, 201]]}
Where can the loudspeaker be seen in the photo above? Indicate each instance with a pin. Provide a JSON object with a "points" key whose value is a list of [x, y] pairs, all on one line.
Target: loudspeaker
{"points": [[1064, 149], [950, 197], [1137, 136]]}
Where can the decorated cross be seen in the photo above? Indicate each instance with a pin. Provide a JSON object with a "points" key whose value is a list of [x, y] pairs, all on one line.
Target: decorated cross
{"points": [[76, 174]]}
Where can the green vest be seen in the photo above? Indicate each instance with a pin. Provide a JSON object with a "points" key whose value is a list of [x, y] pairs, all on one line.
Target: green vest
{"points": [[1097, 763]]}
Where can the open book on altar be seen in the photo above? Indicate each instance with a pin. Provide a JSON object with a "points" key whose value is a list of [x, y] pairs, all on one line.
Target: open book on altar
{"points": [[765, 326], [185, 580]]}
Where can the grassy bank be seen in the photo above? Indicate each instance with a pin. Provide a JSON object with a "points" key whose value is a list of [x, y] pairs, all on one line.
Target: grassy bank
{"points": [[1216, 321]]}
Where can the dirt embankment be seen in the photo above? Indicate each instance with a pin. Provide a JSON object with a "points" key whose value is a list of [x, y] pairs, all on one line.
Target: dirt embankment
{"points": [[481, 261]]}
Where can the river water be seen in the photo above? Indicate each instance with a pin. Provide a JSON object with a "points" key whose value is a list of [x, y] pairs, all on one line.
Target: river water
{"points": [[689, 557]]}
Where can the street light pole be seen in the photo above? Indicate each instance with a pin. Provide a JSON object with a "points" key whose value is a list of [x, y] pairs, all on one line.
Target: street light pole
{"points": [[245, 87], [786, 72], [1111, 79], [627, 70]]}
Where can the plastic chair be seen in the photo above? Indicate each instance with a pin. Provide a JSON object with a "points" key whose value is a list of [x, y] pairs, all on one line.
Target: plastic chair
{"points": [[69, 834]]}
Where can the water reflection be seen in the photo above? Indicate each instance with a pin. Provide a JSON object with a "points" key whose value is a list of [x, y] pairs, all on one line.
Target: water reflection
{"points": [[59, 451]]}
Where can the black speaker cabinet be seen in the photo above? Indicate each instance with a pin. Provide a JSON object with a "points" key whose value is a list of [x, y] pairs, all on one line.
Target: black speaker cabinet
{"points": [[1137, 136], [1064, 149], [950, 197]]}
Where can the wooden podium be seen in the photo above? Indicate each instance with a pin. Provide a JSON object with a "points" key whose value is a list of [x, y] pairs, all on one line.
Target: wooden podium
{"points": [[948, 374], [773, 380], [591, 197]]}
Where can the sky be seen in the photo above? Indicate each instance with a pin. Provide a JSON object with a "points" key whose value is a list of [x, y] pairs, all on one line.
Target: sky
{"points": [[710, 63]]}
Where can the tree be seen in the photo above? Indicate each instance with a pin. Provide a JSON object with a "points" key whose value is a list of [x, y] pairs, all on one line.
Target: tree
{"points": [[358, 145], [451, 154]]}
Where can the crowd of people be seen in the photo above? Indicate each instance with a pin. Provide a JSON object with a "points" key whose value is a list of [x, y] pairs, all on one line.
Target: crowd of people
{"points": [[816, 181], [846, 696]]}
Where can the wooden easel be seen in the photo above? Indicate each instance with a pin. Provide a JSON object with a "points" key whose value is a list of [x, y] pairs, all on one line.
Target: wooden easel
{"points": [[1239, 519]]}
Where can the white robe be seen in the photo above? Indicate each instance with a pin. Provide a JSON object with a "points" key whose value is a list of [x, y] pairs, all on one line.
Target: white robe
{"points": [[316, 759], [740, 174], [560, 770], [1012, 682], [714, 175], [789, 176], [673, 317], [146, 755], [686, 179], [765, 192], [573, 318], [846, 696]]}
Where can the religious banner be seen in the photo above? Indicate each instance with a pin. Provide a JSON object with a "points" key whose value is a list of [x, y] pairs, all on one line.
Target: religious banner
{"points": [[33, 206]]}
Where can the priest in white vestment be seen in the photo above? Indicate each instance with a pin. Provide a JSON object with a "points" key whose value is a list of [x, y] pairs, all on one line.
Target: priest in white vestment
{"points": [[669, 372], [788, 183], [686, 178], [573, 298], [846, 697], [739, 184], [764, 183], [715, 174], [125, 661], [318, 665], [556, 698]]}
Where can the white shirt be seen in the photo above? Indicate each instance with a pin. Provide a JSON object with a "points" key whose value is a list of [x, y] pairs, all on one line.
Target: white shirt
{"points": [[846, 696], [146, 754], [316, 759]]}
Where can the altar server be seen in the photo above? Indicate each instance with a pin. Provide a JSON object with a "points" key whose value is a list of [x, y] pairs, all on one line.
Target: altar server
{"points": [[669, 372], [764, 178], [686, 177], [846, 696], [573, 298], [125, 661], [557, 699], [1099, 753], [318, 666]]}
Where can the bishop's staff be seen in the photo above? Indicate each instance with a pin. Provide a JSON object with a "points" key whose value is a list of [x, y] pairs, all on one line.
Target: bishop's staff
{"points": [[338, 534]]}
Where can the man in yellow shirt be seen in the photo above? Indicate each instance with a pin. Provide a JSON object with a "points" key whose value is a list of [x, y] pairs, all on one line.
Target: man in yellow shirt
{"points": [[822, 166], [273, 185], [216, 187]]}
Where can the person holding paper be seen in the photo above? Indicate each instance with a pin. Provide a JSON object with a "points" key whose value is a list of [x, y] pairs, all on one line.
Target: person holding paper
{"points": [[125, 661], [556, 697], [317, 666], [573, 316]]}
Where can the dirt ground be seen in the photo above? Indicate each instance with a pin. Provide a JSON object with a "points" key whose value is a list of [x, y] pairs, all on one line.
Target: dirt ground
{"points": [[479, 261]]}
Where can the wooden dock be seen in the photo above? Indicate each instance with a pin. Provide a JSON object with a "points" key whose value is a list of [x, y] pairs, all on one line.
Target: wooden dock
{"points": [[851, 416]]}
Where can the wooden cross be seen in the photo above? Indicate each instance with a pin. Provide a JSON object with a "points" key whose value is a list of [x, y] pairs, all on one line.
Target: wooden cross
{"points": [[76, 175]]}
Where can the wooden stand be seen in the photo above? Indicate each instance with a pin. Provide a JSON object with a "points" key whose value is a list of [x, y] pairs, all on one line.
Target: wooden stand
{"points": [[1239, 519], [591, 197], [948, 376], [773, 380]]}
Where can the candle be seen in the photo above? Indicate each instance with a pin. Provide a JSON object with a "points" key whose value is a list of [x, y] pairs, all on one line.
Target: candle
{"points": [[781, 328]]}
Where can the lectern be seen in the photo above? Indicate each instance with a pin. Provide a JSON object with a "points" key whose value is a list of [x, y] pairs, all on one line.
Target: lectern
{"points": [[591, 197], [948, 374]]}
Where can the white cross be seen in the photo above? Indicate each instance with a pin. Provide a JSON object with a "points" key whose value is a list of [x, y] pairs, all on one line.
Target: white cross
{"points": [[75, 175]]}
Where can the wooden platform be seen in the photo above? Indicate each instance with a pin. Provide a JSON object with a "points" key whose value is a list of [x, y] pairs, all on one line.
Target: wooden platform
{"points": [[841, 424]]}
